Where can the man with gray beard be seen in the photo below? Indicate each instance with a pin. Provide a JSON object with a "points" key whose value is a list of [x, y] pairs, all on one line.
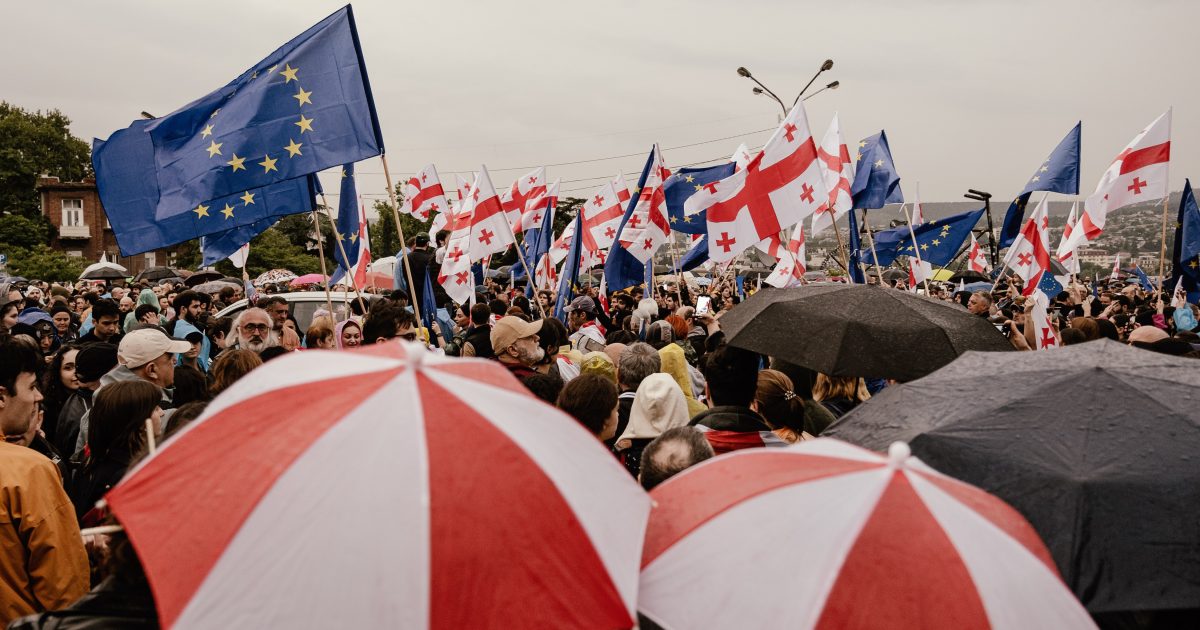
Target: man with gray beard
{"points": [[253, 331]]}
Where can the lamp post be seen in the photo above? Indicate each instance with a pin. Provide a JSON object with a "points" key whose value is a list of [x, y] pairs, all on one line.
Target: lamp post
{"points": [[762, 89], [986, 198]]}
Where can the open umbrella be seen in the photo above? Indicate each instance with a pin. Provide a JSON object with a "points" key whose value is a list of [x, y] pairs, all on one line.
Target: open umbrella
{"points": [[104, 271], [970, 276], [378, 280], [827, 535], [892, 275], [153, 274], [1097, 444], [202, 276], [215, 286], [308, 278], [858, 330], [413, 491], [274, 276]]}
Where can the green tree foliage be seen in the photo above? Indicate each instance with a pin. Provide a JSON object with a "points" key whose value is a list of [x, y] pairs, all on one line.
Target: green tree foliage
{"points": [[32, 143], [24, 231], [43, 263], [384, 239]]}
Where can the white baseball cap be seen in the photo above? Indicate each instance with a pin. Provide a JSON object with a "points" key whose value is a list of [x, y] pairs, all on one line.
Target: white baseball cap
{"points": [[145, 345]]}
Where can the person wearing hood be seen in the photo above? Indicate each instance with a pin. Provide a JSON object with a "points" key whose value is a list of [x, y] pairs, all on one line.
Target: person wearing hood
{"points": [[658, 405], [674, 362], [147, 296], [347, 334]]}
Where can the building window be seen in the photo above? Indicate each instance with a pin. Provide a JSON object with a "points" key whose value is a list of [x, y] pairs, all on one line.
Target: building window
{"points": [[151, 259], [72, 212], [75, 252]]}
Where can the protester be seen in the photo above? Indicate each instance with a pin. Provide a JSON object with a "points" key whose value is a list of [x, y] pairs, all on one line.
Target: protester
{"points": [[636, 363], [105, 318], [147, 301], [232, 365], [777, 402], [189, 307], [57, 384], [277, 309], [91, 363], [477, 342], [731, 379], [347, 334], [387, 320], [592, 400], [671, 453], [980, 304], [600, 364], [840, 394], [586, 333], [816, 417], [253, 328], [64, 324], [320, 335], [658, 405], [515, 343]]}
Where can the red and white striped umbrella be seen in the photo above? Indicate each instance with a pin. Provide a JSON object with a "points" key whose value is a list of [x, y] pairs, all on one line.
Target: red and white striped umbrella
{"points": [[827, 535], [385, 487]]}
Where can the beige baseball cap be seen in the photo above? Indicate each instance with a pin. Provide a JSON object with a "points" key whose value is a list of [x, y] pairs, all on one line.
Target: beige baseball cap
{"points": [[509, 329], [145, 345]]}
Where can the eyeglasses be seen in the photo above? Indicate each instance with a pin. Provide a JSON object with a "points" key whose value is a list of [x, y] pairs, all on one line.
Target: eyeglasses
{"points": [[256, 327], [412, 336]]}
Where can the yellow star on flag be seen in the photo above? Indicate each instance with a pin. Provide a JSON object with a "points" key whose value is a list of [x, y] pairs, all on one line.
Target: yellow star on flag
{"points": [[699, 188], [1044, 169], [687, 219], [236, 163], [689, 179], [206, 132], [227, 211], [878, 163], [924, 246], [289, 72], [674, 220], [1035, 178], [201, 211], [936, 242], [268, 164], [248, 198], [272, 68], [353, 237], [305, 124], [337, 235], [302, 97], [214, 148], [862, 144], [293, 150], [215, 112]]}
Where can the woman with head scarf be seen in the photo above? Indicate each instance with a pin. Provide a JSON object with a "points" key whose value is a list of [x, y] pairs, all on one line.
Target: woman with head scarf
{"points": [[658, 405], [347, 334], [674, 363], [147, 296]]}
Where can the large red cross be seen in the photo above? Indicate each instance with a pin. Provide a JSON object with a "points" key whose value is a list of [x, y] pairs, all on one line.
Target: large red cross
{"points": [[726, 241], [1025, 259], [788, 130], [461, 277], [600, 218], [456, 254], [634, 221], [1048, 338], [485, 236], [807, 194], [1137, 186]]}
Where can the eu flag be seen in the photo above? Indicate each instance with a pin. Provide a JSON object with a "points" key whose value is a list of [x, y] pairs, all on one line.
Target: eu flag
{"points": [[304, 108], [621, 269], [347, 228], [277, 201], [938, 239], [569, 279], [695, 256], [686, 183], [855, 245], [876, 182], [1059, 173], [1185, 255]]}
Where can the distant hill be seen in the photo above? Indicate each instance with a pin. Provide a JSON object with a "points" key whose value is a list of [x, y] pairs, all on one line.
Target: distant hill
{"points": [[938, 210]]}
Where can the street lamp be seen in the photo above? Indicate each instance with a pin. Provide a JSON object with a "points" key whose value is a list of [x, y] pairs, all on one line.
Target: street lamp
{"points": [[762, 89], [986, 198], [828, 65], [831, 86]]}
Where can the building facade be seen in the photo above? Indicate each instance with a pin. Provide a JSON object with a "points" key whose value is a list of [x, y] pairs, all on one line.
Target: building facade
{"points": [[81, 227]]}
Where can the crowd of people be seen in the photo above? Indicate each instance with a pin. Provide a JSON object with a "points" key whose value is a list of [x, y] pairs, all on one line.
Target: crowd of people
{"points": [[91, 374]]}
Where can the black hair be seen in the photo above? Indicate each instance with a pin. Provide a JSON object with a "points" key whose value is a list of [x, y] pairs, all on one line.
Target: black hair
{"points": [[498, 308], [105, 308], [143, 310], [480, 314], [16, 358], [384, 319], [590, 399], [547, 387], [272, 352], [732, 375], [190, 385], [183, 301]]}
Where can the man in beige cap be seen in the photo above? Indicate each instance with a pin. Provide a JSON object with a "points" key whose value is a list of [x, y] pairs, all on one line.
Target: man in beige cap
{"points": [[515, 342], [147, 354]]}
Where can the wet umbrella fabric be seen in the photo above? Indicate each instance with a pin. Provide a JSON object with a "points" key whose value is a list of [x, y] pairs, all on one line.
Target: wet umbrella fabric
{"points": [[1097, 444], [202, 276], [858, 330], [103, 271], [153, 274]]}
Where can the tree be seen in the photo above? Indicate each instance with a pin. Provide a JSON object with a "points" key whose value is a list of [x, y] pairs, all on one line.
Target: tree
{"points": [[32, 143], [43, 263], [24, 231], [273, 250]]}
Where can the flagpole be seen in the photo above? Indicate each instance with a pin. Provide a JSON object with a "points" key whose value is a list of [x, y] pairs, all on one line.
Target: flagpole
{"points": [[871, 240], [321, 256], [841, 246], [346, 259], [676, 269], [916, 247], [528, 272], [387, 176], [1162, 252]]}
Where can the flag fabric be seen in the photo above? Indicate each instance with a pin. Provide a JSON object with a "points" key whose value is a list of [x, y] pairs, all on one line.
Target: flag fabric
{"points": [[876, 182], [741, 157], [1029, 255], [1059, 173], [569, 280], [1140, 172], [443, 218], [602, 213], [1044, 335], [647, 227], [838, 171], [304, 108], [217, 247], [918, 214], [347, 227], [695, 256], [977, 261], [491, 232], [291, 197], [621, 187], [919, 271], [429, 307], [621, 268], [938, 239], [855, 246], [240, 257], [789, 271], [1185, 254], [780, 187], [532, 218], [527, 192], [423, 194], [536, 240], [1115, 274], [1143, 279], [455, 272], [1068, 257], [680, 186]]}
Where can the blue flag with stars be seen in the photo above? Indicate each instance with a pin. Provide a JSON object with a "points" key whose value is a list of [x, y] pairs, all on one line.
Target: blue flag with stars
{"points": [[684, 184], [855, 245], [1059, 173], [304, 108], [876, 182], [621, 269], [569, 280], [939, 239], [695, 256], [348, 224], [1185, 254]]}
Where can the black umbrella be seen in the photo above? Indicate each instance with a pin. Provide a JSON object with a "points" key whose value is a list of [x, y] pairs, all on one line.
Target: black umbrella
{"points": [[858, 330], [103, 273], [892, 275], [152, 274], [970, 276], [1097, 444], [202, 276]]}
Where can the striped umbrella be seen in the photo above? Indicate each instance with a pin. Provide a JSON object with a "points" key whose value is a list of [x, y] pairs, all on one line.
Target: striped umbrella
{"points": [[385, 487], [827, 535]]}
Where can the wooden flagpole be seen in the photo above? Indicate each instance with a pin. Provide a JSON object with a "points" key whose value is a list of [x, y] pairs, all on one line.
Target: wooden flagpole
{"points": [[916, 247], [321, 256], [1162, 252], [342, 248], [387, 176], [871, 240]]}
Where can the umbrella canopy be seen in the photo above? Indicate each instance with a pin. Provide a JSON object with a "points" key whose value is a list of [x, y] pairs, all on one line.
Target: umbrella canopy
{"points": [[215, 286], [1096, 444], [858, 330], [152, 274], [413, 490], [103, 264], [978, 286], [308, 278], [273, 276], [970, 276], [892, 275], [378, 280], [827, 535], [104, 271], [202, 276]]}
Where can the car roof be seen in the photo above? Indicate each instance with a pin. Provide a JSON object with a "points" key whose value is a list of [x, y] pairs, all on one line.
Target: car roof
{"points": [[337, 297]]}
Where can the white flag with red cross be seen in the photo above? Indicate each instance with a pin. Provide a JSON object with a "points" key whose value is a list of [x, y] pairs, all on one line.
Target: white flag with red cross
{"points": [[780, 187], [838, 171], [455, 272], [490, 230], [1066, 256], [1029, 255], [919, 271], [976, 259], [918, 213], [423, 194], [1044, 335], [1139, 173], [536, 209], [1115, 275], [602, 214], [442, 219], [524, 194], [789, 271], [741, 157], [621, 187], [647, 228]]}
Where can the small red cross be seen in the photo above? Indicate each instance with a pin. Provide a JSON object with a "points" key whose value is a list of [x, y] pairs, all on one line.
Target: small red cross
{"points": [[456, 254], [485, 236], [807, 195], [475, 196], [785, 271], [433, 207], [598, 201], [461, 277], [1025, 259], [726, 242], [634, 221], [647, 244], [711, 187], [537, 218], [424, 176], [610, 232], [1047, 338], [532, 180], [1137, 186], [789, 129]]}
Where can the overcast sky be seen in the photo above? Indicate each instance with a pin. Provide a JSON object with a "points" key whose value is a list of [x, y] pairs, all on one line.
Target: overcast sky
{"points": [[971, 93]]}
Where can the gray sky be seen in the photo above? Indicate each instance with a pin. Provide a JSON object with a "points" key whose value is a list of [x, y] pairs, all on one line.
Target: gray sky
{"points": [[972, 93]]}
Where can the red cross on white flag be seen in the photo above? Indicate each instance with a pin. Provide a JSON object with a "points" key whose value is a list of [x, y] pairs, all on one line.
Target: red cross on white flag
{"points": [[526, 193], [647, 227], [490, 229], [1139, 173], [1115, 275], [976, 259], [780, 187], [1029, 255], [1044, 335], [602, 213], [792, 265], [741, 157], [837, 168], [423, 194], [1065, 255]]}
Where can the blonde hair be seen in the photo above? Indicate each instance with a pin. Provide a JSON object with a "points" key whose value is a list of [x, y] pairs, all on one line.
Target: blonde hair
{"points": [[830, 387]]}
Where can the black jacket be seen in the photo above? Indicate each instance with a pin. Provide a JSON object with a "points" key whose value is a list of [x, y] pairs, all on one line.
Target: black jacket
{"points": [[730, 418], [480, 338], [111, 605]]}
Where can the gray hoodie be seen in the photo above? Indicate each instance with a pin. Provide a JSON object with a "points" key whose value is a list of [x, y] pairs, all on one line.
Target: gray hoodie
{"points": [[116, 375]]}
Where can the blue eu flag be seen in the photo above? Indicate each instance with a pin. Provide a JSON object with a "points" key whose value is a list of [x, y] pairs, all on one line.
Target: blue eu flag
{"points": [[684, 184], [348, 225], [621, 269], [1059, 173], [304, 108], [938, 239], [876, 182], [855, 245], [276, 201], [1185, 255], [569, 280], [695, 256]]}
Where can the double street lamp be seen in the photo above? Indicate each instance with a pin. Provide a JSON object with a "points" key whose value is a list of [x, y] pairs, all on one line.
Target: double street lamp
{"points": [[762, 89]]}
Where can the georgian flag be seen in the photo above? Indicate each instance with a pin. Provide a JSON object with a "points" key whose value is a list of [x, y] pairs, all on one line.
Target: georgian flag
{"points": [[1029, 255], [455, 272], [780, 187], [741, 157], [602, 214], [423, 194], [491, 232], [442, 219], [364, 246], [1044, 335], [1138, 173], [535, 208], [789, 271], [838, 171], [976, 260], [1116, 270], [918, 215], [544, 274], [521, 198], [1068, 257], [647, 228], [918, 272], [621, 187]]}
